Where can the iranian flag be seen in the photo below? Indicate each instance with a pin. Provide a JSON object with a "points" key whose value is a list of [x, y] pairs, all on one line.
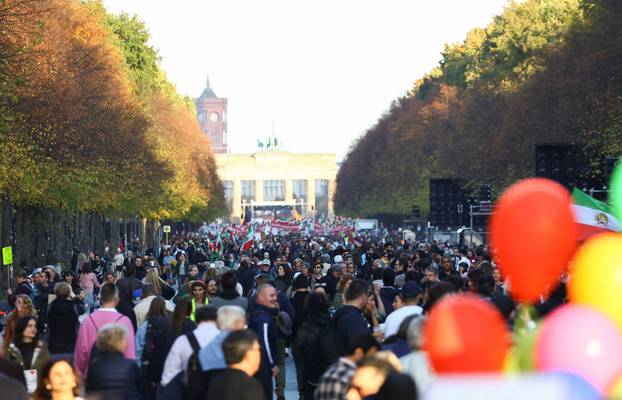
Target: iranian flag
{"points": [[250, 236], [592, 216], [219, 246]]}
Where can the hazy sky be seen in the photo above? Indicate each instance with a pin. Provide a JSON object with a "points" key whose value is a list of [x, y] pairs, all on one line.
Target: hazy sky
{"points": [[323, 71]]}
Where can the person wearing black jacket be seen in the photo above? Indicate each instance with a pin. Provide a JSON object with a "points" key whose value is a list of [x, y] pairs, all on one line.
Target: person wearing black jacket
{"points": [[229, 296], [139, 268], [23, 287], [388, 290], [62, 321], [301, 291], [40, 300], [71, 280], [332, 279], [111, 375], [242, 355], [349, 320], [263, 321], [246, 275], [311, 362]]}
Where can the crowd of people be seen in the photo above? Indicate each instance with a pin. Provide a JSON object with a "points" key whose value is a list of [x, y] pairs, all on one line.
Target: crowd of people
{"points": [[194, 321]]}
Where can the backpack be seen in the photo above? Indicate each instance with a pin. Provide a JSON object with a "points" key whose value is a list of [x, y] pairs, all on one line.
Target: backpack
{"points": [[152, 362], [328, 342], [284, 325], [308, 346], [282, 322], [194, 373], [94, 349]]}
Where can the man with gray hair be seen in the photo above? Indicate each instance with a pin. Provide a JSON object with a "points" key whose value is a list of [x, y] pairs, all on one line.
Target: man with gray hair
{"points": [[431, 274], [332, 279], [230, 318], [416, 363], [263, 321]]}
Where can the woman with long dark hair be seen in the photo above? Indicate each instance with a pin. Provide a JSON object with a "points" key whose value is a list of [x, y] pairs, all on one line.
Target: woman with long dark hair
{"points": [[23, 307], [151, 346], [284, 278], [180, 322], [27, 350], [71, 280]]}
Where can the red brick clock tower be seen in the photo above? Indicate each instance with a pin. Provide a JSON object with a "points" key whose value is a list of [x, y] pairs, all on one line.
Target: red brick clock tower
{"points": [[212, 115]]}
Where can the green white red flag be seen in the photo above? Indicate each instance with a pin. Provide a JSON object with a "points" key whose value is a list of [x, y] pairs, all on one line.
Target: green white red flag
{"points": [[250, 237], [592, 216], [219, 245]]}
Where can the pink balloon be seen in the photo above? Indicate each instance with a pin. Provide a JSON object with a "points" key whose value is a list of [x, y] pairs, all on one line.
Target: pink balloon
{"points": [[582, 341]]}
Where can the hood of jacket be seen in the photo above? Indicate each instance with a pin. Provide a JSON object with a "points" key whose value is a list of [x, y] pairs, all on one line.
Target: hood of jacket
{"points": [[229, 294]]}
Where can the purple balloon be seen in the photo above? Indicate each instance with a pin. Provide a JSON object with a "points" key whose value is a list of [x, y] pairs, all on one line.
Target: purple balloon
{"points": [[582, 341]]}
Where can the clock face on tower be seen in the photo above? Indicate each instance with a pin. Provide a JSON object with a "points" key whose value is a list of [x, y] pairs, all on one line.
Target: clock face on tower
{"points": [[213, 117]]}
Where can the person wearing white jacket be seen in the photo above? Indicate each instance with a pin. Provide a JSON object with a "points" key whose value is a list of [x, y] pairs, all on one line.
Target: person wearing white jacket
{"points": [[181, 351]]}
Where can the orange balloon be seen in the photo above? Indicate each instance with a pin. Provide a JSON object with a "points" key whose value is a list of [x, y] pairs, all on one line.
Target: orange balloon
{"points": [[534, 234], [466, 333]]}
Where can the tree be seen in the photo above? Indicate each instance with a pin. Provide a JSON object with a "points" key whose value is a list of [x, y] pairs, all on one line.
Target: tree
{"points": [[90, 122], [479, 114]]}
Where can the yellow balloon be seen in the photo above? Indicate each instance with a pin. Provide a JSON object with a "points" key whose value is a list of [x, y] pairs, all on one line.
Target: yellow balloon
{"points": [[615, 390], [596, 275]]}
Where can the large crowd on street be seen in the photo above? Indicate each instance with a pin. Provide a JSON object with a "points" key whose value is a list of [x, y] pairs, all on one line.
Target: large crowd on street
{"points": [[205, 317]]}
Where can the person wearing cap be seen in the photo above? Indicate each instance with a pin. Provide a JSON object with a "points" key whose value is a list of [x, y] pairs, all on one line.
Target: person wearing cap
{"points": [[199, 297], [266, 269], [410, 296]]}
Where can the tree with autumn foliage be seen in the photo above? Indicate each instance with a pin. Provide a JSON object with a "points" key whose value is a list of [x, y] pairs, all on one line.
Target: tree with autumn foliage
{"points": [[544, 71], [90, 123]]}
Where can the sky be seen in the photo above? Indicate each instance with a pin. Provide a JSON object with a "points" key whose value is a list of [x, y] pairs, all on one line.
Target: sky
{"points": [[320, 73]]}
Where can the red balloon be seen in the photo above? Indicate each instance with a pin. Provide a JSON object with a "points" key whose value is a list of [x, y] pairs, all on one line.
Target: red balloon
{"points": [[534, 234], [466, 333]]}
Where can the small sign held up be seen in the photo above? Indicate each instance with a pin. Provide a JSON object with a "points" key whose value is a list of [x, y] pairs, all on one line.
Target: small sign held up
{"points": [[166, 228], [7, 255]]}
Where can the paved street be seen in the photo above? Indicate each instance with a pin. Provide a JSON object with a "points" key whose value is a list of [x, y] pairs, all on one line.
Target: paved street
{"points": [[291, 386]]}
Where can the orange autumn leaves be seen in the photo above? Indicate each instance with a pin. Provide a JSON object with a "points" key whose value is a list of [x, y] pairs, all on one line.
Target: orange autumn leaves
{"points": [[80, 136]]}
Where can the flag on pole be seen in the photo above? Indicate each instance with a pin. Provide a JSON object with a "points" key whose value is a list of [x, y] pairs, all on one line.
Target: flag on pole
{"points": [[592, 216], [219, 247], [249, 238]]}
